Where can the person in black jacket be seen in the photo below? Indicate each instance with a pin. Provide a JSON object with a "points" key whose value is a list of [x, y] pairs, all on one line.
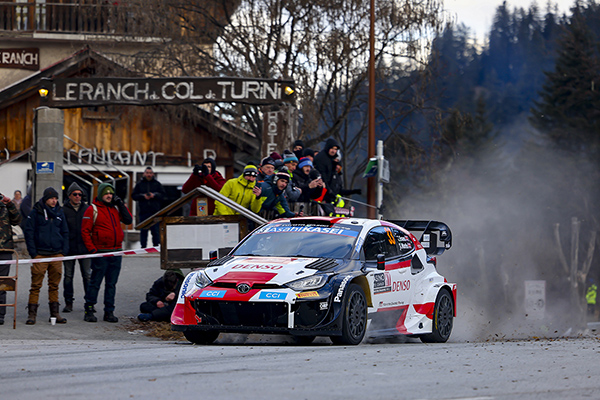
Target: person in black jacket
{"points": [[46, 235], [324, 162], [162, 297], [74, 208], [149, 193]]}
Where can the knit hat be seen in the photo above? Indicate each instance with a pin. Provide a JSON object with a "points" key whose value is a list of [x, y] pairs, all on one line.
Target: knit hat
{"points": [[267, 161], [73, 187], [250, 170], [308, 152], [290, 158], [275, 156], [298, 143], [304, 161], [282, 175], [103, 189], [49, 193]]}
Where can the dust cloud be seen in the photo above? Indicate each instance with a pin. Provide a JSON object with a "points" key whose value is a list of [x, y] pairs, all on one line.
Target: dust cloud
{"points": [[501, 206]]}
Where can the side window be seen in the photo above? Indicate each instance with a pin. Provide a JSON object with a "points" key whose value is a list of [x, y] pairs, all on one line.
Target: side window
{"points": [[374, 244], [405, 245]]}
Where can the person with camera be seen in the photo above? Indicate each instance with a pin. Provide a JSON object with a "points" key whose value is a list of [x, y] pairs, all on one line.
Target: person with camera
{"points": [[47, 236], [207, 175], [9, 216], [102, 233], [149, 193]]}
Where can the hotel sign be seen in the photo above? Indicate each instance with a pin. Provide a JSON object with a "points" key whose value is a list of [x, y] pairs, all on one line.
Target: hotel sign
{"points": [[89, 92], [20, 58]]}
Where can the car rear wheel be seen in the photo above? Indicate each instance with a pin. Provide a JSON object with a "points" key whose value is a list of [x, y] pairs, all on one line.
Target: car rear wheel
{"points": [[354, 317], [443, 316], [201, 337]]}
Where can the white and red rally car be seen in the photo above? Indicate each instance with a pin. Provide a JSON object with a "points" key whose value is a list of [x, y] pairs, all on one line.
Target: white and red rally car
{"points": [[319, 276]]}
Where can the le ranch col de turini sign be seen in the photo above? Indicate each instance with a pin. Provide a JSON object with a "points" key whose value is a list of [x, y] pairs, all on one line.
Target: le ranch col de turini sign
{"points": [[89, 92]]}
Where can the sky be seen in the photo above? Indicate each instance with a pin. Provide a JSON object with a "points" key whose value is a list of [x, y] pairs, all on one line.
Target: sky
{"points": [[478, 14]]}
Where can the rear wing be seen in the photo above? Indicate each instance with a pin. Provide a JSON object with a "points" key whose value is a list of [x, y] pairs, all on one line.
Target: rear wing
{"points": [[436, 237]]}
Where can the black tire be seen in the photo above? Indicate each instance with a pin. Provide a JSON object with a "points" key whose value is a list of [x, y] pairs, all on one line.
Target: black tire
{"points": [[354, 317], [443, 317], [201, 337], [304, 340]]}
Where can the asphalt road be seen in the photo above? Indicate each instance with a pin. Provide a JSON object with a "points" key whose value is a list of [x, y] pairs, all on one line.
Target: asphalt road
{"points": [[103, 360]]}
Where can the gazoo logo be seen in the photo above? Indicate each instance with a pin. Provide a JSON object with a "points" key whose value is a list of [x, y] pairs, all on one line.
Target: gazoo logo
{"points": [[400, 286], [340, 292], [213, 293], [254, 266], [272, 296]]}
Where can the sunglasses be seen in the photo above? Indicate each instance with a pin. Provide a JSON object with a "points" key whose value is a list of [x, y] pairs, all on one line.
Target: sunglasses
{"points": [[77, 194]]}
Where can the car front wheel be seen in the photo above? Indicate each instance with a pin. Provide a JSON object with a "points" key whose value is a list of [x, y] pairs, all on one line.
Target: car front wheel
{"points": [[201, 337], [354, 317]]}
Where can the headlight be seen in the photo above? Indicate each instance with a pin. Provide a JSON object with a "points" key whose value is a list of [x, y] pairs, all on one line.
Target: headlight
{"points": [[309, 283], [202, 280]]}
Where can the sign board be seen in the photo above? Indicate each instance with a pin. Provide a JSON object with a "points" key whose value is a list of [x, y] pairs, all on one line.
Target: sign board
{"points": [[90, 92], [279, 125], [535, 299], [371, 169], [28, 58], [44, 167], [206, 237]]}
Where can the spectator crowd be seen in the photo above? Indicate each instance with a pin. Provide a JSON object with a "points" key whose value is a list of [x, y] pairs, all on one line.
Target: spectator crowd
{"points": [[273, 188]]}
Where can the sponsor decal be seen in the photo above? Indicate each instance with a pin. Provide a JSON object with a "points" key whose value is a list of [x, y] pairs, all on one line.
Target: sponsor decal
{"points": [[305, 295], [217, 294], [383, 304], [323, 306], [340, 292], [269, 260], [310, 229], [256, 266], [400, 286], [185, 286], [273, 295], [382, 282]]}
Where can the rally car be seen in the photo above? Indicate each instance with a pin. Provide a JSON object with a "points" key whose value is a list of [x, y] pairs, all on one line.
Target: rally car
{"points": [[321, 276]]}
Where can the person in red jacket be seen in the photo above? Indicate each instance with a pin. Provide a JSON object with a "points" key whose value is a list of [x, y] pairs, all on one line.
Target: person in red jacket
{"points": [[102, 233], [207, 175]]}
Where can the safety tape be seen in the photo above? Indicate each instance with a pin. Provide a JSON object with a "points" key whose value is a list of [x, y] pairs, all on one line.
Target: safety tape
{"points": [[95, 255]]}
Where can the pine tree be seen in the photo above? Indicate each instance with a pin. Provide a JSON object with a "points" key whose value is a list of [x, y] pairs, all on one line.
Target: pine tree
{"points": [[569, 106]]}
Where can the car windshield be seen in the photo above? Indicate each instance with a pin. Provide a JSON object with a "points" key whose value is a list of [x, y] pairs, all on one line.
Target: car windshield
{"points": [[287, 240]]}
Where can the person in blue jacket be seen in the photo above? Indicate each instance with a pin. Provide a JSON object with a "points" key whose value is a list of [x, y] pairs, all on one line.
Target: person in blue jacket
{"points": [[46, 235], [273, 189]]}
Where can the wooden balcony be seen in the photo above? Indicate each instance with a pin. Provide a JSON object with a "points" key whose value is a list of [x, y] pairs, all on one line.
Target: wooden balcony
{"points": [[77, 17]]}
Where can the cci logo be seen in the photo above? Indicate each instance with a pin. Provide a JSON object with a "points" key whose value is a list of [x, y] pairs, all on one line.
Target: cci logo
{"points": [[272, 296], [213, 293]]}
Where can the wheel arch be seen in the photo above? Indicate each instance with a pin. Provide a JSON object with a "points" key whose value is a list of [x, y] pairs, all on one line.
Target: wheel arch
{"points": [[364, 285]]}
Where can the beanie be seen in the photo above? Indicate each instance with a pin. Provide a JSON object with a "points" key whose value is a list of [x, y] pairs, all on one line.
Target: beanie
{"points": [[49, 193], [282, 175], [73, 187], [304, 161], [275, 156], [298, 143], [103, 189], [250, 170], [290, 158], [267, 161]]}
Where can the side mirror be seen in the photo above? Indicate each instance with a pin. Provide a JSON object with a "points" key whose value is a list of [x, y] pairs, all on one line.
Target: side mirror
{"points": [[380, 262]]}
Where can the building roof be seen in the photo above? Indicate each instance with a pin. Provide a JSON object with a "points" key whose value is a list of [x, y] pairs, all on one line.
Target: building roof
{"points": [[87, 58]]}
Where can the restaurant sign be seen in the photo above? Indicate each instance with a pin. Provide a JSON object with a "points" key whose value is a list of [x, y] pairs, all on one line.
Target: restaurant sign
{"points": [[20, 58], [89, 92]]}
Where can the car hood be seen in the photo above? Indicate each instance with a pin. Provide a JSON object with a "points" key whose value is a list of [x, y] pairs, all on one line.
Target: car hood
{"points": [[261, 270]]}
